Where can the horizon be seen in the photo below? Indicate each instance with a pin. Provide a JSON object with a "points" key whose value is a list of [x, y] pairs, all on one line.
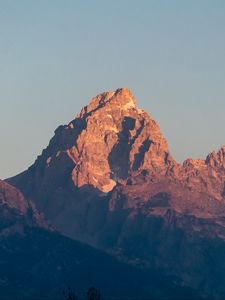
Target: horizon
{"points": [[54, 60]]}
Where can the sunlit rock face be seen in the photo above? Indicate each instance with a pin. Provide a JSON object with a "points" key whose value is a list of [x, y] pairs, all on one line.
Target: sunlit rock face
{"points": [[109, 141], [108, 179], [118, 140]]}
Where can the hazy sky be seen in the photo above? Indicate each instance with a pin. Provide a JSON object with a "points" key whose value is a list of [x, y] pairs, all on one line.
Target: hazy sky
{"points": [[56, 55]]}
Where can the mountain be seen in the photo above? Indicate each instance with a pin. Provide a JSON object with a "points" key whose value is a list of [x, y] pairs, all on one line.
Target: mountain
{"points": [[36, 262], [108, 179]]}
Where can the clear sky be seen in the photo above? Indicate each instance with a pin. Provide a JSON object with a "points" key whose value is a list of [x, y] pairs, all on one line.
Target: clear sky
{"points": [[56, 55]]}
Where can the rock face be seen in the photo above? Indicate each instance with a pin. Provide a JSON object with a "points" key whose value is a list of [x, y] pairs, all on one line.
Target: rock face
{"points": [[119, 140], [16, 212], [207, 175], [110, 140], [108, 179]]}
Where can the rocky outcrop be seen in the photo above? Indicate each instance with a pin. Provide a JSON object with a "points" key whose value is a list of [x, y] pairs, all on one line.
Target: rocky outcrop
{"points": [[16, 212], [207, 176]]}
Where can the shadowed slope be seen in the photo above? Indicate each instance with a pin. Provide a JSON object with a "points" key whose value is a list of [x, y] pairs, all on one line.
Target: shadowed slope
{"points": [[38, 263]]}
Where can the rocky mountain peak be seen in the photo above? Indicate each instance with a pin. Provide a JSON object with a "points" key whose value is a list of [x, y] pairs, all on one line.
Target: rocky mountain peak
{"points": [[110, 141], [118, 140], [108, 179], [216, 159], [121, 99]]}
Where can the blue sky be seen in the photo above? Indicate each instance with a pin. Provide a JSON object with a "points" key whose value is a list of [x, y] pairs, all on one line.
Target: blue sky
{"points": [[56, 55]]}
